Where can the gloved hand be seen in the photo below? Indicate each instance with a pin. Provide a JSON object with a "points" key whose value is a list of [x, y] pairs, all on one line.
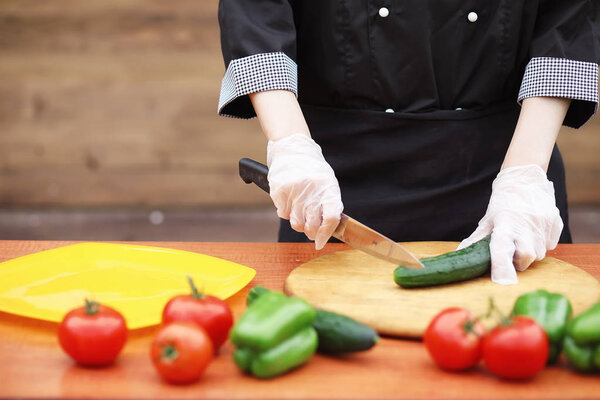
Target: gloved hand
{"points": [[523, 219], [303, 187]]}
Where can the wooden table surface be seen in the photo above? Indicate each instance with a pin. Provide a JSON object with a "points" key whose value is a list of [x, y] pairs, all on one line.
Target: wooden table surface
{"points": [[33, 365]]}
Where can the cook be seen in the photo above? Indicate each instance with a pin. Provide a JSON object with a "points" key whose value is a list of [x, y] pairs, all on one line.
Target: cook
{"points": [[432, 120]]}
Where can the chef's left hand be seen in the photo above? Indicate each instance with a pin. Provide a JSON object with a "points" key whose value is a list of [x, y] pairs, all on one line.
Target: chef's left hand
{"points": [[523, 219]]}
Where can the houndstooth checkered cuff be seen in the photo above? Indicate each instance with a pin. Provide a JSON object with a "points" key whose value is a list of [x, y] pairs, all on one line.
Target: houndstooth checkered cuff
{"points": [[256, 73], [559, 77]]}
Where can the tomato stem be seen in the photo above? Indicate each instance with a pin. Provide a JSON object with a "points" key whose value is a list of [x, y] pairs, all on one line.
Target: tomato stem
{"points": [[169, 352], [195, 293], [469, 326], [503, 320], [91, 307]]}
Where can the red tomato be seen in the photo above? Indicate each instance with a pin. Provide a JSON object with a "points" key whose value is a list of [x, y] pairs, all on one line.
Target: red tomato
{"points": [[93, 335], [453, 339], [181, 351], [516, 350], [211, 313]]}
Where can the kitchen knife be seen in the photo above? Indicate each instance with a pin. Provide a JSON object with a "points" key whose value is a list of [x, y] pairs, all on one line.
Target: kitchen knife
{"points": [[349, 230]]}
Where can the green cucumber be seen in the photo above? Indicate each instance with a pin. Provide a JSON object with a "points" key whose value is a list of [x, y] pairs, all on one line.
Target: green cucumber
{"points": [[457, 266], [338, 334]]}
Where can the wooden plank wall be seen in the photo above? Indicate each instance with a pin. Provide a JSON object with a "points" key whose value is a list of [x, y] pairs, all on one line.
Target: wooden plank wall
{"points": [[113, 102]]}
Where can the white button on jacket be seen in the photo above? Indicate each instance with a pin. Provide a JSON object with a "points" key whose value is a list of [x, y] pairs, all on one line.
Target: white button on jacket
{"points": [[389, 110], [472, 17], [384, 12]]}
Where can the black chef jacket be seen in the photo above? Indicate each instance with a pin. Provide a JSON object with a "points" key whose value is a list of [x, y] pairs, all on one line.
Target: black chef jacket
{"points": [[414, 102]]}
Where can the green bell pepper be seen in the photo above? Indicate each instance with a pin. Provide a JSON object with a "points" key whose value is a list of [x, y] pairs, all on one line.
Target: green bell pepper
{"points": [[582, 342], [552, 311], [255, 293], [274, 335], [337, 334]]}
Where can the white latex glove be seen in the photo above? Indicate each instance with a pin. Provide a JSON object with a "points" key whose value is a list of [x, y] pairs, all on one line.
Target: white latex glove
{"points": [[523, 220], [303, 187]]}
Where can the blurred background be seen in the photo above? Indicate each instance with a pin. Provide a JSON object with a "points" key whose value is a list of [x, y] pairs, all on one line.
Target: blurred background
{"points": [[109, 131]]}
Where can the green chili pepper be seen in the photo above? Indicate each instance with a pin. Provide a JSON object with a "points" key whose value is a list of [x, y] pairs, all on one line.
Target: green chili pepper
{"points": [[274, 335], [582, 343], [552, 311]]}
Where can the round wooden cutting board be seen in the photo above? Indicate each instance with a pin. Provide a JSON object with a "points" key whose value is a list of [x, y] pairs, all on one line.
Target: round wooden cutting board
{"points": [[362, 287]]}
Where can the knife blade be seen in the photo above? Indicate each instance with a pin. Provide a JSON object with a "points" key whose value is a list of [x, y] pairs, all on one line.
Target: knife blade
{"points": [[349, 230]]}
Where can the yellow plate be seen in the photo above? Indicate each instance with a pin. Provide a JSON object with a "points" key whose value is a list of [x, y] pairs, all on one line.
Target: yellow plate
{"points": [[136, 280]]}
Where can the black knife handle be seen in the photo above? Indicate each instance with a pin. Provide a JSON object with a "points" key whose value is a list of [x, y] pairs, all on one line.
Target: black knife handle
{"points": [[254, 172]]}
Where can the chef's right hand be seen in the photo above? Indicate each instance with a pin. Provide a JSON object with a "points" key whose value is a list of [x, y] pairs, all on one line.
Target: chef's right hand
{"points": [[303, 187]]}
